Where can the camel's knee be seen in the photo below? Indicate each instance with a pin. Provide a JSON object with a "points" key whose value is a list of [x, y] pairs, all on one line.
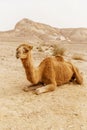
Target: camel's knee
{"points": [[79, 80], [52, 87], [78, 76]]}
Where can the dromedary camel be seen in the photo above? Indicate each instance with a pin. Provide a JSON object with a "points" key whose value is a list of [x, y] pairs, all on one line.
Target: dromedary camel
{"points": [[52, 71]]}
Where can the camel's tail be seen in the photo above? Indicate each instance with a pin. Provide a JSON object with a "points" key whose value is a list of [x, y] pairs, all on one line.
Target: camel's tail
{"points": [[78, 76]]}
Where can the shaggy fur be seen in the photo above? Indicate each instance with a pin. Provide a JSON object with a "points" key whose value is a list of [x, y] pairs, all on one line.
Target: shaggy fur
{"points": [[52, 71]]}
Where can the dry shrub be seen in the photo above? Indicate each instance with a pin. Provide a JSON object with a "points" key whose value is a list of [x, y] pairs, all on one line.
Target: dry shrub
{"points": [[77, 57], [39, 48], [58, 50]]}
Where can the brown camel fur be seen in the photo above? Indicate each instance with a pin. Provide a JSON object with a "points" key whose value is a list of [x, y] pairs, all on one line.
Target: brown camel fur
{"points": [[52, 71]]}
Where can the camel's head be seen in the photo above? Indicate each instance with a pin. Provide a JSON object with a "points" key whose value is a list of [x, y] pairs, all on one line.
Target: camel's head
{"points": [[23, 50]]}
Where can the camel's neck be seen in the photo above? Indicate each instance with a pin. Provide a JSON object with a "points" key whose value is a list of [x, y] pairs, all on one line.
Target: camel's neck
{"points": [[29, 68]]}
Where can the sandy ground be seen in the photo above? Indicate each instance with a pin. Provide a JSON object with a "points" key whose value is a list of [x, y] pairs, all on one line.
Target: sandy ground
{"points": [[63, 109]]}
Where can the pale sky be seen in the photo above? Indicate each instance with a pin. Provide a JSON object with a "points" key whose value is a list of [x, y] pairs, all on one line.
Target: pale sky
{"points": [[57, 13]]}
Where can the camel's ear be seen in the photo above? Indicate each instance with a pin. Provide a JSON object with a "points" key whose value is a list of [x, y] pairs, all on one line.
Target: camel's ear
{"points": [[30, 47], [17, 48]]}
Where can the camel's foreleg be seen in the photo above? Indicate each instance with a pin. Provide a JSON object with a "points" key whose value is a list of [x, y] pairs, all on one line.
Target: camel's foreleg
{"points": [[47, 88]]}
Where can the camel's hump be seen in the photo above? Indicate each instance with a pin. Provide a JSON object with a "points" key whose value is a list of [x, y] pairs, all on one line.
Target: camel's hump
{"points": [[59, 58]]}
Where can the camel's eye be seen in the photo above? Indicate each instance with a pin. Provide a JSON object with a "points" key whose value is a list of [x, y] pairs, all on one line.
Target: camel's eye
{"points": [[25, 50]]}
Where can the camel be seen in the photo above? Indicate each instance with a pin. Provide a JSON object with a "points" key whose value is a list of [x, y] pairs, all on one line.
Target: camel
{"points": [[53, 71]]}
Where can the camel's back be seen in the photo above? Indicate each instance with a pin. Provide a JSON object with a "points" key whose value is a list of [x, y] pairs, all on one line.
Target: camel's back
{"points": [[55, 62]]}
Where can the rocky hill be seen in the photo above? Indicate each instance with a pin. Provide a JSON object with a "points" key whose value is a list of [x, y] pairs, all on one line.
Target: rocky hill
{"points": [[30, 31]]}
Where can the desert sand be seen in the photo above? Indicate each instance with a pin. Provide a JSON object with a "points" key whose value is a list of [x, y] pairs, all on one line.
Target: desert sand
{"points": [[63, 109]]}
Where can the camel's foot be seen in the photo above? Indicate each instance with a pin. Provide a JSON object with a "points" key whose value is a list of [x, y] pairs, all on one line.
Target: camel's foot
{"points": [[29, 88], [26, 89]]}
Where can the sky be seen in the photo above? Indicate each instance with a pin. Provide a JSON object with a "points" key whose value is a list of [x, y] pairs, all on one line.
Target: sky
{"points": [[57, 13]]}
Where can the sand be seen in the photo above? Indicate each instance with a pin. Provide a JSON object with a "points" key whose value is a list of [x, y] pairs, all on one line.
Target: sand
{"points": [[63, 109]]}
